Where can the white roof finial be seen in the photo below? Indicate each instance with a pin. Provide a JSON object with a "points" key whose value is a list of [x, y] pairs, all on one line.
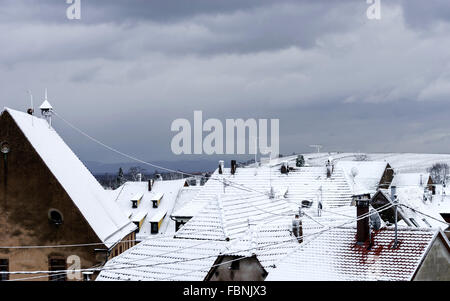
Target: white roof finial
{"points": [[46, 106]]}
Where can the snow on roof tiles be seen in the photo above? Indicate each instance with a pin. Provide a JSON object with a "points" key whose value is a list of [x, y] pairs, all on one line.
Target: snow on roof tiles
{"points": [[368, 173], [169, 188], [164, 259], [334, 256], [105, 217], [410, 179], [225, 215]]}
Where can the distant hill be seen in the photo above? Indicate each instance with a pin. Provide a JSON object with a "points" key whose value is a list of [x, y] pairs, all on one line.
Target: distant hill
{"points": [[186, 166]]}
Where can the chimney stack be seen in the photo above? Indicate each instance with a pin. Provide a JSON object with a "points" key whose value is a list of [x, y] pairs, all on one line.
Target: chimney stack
{"points": [[150, 185], [329, 166], [297, 227], [284, 167], [362, 202], [221, 167], [233, 167], [393, 191]]}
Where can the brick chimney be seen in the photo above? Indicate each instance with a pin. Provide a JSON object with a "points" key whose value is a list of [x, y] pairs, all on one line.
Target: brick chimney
{"points": [[362, 203]]}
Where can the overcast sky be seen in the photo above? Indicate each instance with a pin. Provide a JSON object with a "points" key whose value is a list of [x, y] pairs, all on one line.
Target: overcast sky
{"points": [[127, 69]]}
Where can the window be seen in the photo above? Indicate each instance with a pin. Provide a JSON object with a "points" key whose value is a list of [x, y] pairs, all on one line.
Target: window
{"points": [[55, 217], [4, 267], [235, 265], [57, 264]]}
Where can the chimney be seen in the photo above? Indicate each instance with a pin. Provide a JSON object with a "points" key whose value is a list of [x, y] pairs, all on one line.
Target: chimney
{"points": [[233, 167], [393, 191], [284, 167], [221, 166], [150, 185], [297, 228], [362, 226], [329, 166]]}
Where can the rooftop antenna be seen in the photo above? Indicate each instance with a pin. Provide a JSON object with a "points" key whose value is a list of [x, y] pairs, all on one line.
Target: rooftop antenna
{"points": [[396, 234], [256, 150], [318, 146], [31, 109]]}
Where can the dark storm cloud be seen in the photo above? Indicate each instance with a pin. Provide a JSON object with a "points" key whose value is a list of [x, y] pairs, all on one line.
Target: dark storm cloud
{"points": [[328, 73]]}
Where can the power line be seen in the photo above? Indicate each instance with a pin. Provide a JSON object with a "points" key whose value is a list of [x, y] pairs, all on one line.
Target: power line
{"points": [[415, 210], [239, 186], [114, 266]]}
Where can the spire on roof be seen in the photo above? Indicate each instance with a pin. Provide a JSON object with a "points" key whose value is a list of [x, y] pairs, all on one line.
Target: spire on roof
{"points": [[47, 109], [46, 106]]}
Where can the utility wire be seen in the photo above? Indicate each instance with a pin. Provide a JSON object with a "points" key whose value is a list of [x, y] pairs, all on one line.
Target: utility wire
{"points": [[114, 266]]}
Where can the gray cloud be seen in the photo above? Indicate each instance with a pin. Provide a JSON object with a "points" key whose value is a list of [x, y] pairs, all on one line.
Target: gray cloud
{"points": [[328, 73]]}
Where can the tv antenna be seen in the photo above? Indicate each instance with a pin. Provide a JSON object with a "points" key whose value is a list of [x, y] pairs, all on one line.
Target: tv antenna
{"points": [[318, 146], [31, 109]]}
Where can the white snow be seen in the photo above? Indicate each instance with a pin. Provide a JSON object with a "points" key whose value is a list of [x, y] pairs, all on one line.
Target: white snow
{"points": [[104, 216]]}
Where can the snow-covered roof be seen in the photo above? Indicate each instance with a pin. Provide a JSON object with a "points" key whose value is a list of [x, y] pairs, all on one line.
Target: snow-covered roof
{"points": [[270, 241], [413, 198], [157, 196], [139, 190], [164, 258], [225, 215], [104, 216], [137, 196], [334, 256], [366, 174], [410, 179], [303, 183], [139, 216]]}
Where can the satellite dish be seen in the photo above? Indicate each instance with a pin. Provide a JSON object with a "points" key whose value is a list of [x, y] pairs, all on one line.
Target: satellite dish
{"points": [[354, 171], [375, 220]]}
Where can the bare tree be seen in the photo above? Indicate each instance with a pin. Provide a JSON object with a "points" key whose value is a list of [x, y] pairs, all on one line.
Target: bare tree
{"points": [[439, 172], [361, 157], [134, 171]]}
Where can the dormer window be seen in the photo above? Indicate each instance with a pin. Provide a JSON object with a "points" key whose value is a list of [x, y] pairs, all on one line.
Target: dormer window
{"points": [[136, 200]]}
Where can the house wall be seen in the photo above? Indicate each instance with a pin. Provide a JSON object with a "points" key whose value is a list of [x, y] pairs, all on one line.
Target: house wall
{"points": [[249, 270], [28, 190], [436, 266]]}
